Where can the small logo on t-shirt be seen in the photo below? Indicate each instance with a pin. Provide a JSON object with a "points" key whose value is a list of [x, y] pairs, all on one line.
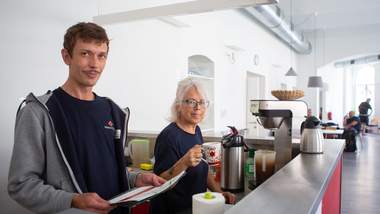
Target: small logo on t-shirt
{"points": [[110, 124]]}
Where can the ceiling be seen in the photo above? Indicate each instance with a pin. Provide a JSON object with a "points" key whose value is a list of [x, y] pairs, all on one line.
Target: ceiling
{"points": [[333, 14], [344, 16]]}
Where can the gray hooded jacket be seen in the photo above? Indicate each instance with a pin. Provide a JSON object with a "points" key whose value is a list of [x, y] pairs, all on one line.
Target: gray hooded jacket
{"points": [[40, 177]]}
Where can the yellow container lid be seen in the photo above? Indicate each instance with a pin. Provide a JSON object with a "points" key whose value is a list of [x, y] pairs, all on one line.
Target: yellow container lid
{"points": [[208, 195], [146, 166]]}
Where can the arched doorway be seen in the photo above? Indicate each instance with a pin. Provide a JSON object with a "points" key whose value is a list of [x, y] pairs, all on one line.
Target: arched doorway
{"points": [[364, 86]]}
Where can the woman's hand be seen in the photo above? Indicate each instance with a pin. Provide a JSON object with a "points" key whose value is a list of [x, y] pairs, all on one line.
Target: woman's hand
{"points": [[230, 198], [193, 157]]}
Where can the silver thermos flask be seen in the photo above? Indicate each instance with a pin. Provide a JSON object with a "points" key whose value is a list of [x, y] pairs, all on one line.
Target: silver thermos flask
{"points": [[312, 140], [232, 162]]}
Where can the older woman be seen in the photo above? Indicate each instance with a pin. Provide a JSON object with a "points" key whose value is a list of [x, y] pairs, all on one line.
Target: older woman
{"points": [[178, 148]]}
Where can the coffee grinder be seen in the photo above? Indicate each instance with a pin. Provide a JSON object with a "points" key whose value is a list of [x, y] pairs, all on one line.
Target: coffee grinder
{"points": [[285, 118]]}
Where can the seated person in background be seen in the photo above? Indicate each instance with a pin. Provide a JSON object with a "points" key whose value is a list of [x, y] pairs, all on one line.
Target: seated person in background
{"points": [[352, 122], [178, 148], [309, 112]]}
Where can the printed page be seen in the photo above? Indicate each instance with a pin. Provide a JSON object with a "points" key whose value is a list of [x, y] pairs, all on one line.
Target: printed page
{"points": [[143, 193]]}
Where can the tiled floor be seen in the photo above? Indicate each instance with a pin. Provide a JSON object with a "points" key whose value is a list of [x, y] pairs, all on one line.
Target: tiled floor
{"points": [[361, 178]]}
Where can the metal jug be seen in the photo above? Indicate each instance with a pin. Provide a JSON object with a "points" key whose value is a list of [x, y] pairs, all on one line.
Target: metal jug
{"points": [[232, 161], [311, 136]]}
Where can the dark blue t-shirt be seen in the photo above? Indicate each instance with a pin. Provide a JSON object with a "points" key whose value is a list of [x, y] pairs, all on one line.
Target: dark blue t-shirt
{"points": [[363, 108], [357, 126], [171, 145], [92, 130]]}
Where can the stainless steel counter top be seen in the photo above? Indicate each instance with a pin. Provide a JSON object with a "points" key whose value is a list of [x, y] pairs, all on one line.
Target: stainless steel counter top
{"points": [[296, 188]]}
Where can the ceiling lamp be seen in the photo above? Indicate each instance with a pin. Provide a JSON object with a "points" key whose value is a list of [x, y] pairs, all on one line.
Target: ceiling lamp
{"points": [[291, 71], [315, 81]]}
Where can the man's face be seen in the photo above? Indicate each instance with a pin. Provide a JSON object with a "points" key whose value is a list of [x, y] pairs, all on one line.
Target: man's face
{"points": [[309, 113], [87, 63], [351, 114]]}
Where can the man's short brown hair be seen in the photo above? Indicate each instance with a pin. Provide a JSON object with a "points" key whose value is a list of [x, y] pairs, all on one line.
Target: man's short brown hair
{"points": [[87, 32]]}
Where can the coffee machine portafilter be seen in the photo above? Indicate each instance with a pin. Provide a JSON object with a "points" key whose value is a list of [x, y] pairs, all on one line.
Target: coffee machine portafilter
{"points": [[285, 118]]}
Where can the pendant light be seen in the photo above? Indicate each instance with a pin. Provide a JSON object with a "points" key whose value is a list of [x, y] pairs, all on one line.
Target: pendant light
{"points": [[315, 81], [291, 71]]}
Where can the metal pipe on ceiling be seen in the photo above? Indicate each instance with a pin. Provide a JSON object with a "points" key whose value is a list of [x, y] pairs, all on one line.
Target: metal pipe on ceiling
{"points": [[273, 17], [368, 60]]}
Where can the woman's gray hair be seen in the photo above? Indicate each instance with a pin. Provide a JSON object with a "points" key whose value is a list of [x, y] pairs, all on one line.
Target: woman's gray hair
{"points": [[183, 87]]}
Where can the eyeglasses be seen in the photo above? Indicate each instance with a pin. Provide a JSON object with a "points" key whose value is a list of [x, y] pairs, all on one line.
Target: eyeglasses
{"points": [[193, 103]]}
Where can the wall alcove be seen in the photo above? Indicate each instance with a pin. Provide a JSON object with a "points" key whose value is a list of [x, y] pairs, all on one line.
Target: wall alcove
{"points": [[200, 66]]}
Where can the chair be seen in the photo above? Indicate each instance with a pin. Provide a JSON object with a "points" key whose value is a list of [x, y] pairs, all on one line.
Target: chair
{"points": [[360, 138], [373, 125]]}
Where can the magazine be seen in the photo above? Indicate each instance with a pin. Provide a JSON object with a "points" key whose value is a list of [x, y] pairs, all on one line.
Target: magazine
{"points": [[140, 194]]}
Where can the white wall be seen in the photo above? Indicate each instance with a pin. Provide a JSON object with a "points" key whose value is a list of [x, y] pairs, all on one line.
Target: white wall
{"points": [[145, 62], [152, 53], [377, 91]]}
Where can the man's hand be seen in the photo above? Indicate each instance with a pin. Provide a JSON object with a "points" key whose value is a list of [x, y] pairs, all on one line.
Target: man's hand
{"points": [[91, 202], [146, 179]]}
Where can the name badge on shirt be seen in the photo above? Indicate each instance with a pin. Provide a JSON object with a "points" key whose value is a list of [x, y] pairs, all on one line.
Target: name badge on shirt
{"points": [[117, 134]]}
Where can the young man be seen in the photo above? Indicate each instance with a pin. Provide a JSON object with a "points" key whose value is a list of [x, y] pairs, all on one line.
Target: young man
{"points": [[363, 110], [68, 149]]}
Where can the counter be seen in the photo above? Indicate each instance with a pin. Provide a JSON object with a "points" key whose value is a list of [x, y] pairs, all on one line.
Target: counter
{"points": [[302, 186], [299, 186]]}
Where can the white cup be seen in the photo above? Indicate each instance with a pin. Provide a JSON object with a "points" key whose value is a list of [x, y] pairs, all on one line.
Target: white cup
{"points": [[212, 152]]}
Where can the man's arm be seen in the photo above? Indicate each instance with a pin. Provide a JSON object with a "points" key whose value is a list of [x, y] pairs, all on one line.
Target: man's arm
{"points": [[353, 123], [144, 179], [345, 121], [27, 179]]}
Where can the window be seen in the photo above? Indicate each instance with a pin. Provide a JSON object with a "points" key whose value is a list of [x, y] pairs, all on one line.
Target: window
{"points": [[365, 87]]}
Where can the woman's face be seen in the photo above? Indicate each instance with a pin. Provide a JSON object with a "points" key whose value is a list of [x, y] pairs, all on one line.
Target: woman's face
{"points": [[188, 115]]}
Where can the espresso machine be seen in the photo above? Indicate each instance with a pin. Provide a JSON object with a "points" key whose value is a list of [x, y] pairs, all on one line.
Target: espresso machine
{"points": [[285, 118]]}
